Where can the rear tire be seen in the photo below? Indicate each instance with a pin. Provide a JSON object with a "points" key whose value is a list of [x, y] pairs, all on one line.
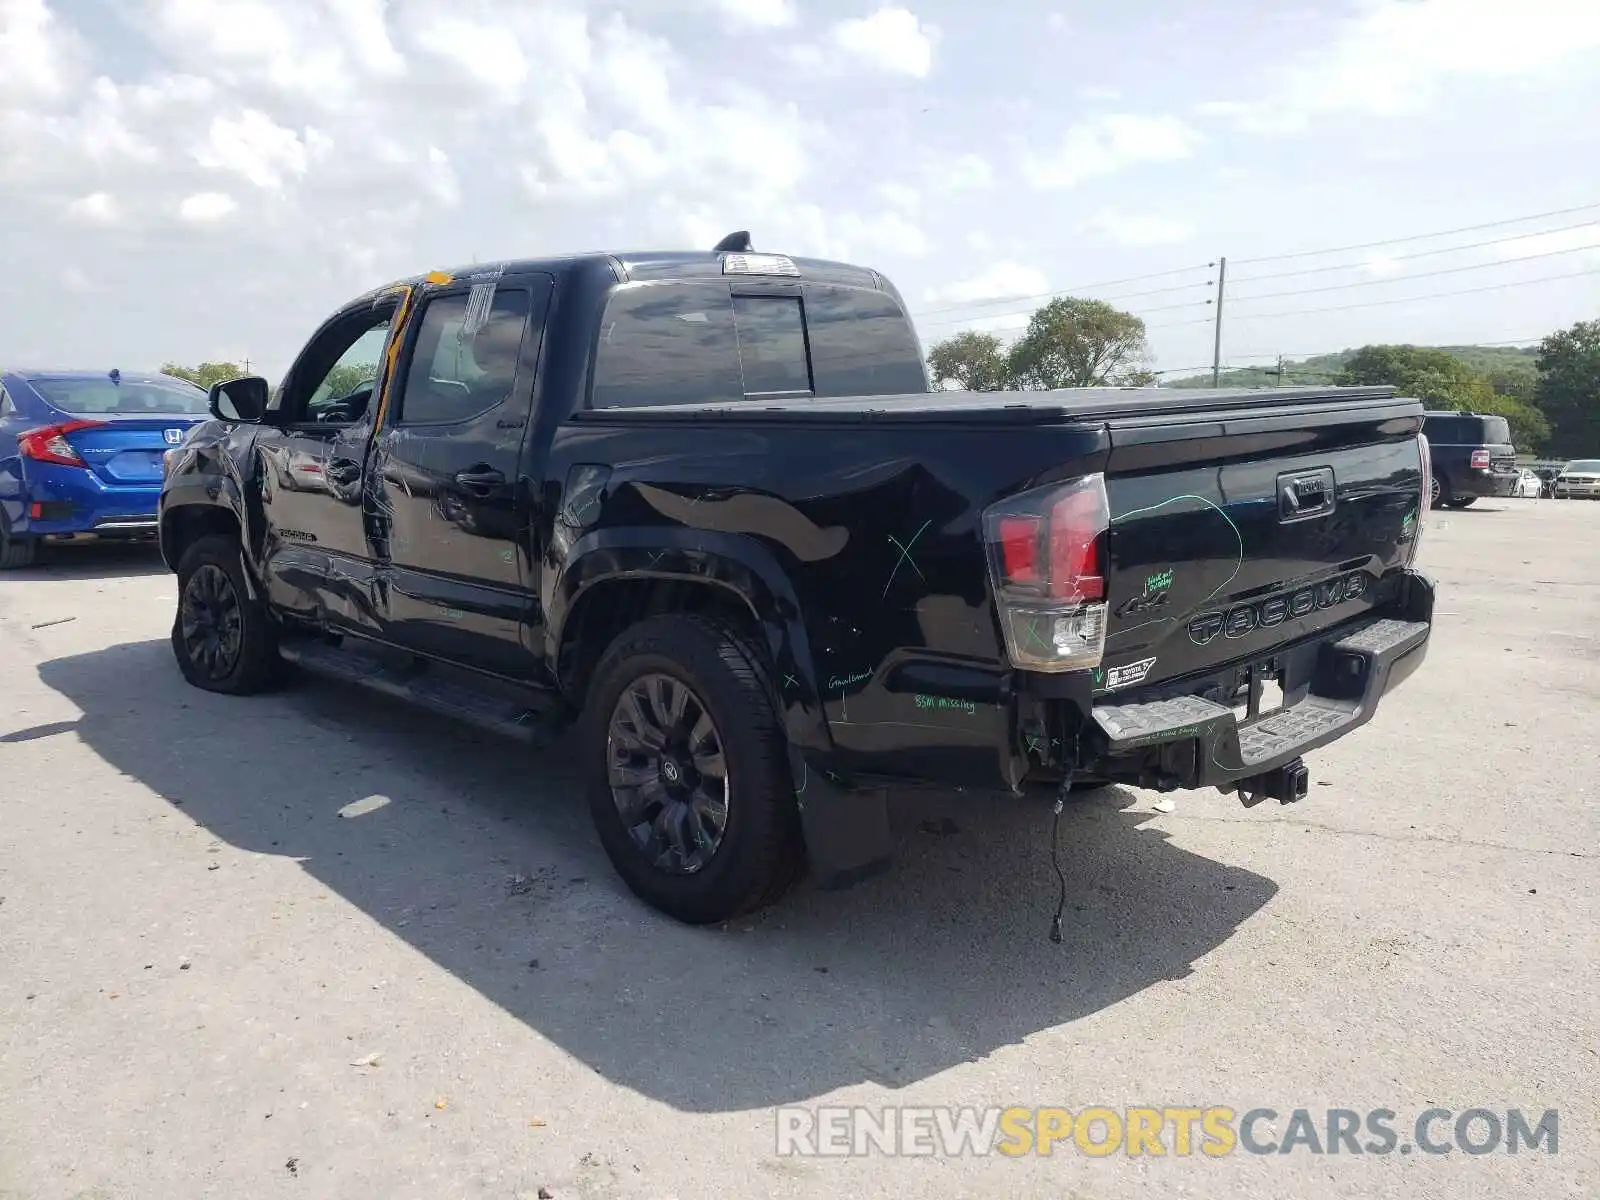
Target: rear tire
{"points": [[660, 677], [15, 552], [1438, 493], [222, 637]]}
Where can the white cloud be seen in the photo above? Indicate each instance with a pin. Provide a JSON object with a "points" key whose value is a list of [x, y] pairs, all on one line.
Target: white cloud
{"points": [[1136, 229], [1057, 22], [256, 147], [1584, 238], [891, 39], [889, 233], [41, 58], [758, 14], [313, 148], [77, 282], [968, 172], [1005, 280], [1103, 145], [440, 178], [1097, 95], [97, 208], [899, 196], [1395, 56], [478, 51], [203, 208], [1000, 323]]}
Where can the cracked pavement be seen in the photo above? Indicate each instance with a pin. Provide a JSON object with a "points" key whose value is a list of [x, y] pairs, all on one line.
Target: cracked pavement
{"points": [[317, 944]]}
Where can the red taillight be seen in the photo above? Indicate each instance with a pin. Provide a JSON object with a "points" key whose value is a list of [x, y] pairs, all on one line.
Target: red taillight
{"points": [[1045, 549], [49, 444], [1480, 460], [1076, 522], [1019, 549]]}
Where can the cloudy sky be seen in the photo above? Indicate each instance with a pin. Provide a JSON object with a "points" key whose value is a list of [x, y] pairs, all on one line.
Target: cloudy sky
{"points": [[205, 179]]}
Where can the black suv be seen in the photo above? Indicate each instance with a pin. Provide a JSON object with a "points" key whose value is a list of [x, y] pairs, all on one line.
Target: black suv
{"points": [[1472, 456]]}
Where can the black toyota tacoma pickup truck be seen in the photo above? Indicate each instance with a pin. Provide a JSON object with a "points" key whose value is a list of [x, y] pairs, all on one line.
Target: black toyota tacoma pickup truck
{"points": [[705, 507]]}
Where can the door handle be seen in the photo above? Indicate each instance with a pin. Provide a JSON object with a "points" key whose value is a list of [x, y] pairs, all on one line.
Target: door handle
{"points": [[480, 482]]}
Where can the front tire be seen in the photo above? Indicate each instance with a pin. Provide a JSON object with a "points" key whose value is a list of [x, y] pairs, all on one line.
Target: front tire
{"points": [[687, 771], [1438, 494], [222, 637], [1460, 501]]}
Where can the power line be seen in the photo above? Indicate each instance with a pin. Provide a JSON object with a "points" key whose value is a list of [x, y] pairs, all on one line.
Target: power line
{"points": [[1493, 287], [1517, 237], [1305, 354], [973, 316], [1000, 316], [1082, 287], [1339, 287], [1418, 237]]}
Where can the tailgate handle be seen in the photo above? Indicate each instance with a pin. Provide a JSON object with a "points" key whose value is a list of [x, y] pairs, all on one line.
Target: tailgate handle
{"points": [[1305, 494]]}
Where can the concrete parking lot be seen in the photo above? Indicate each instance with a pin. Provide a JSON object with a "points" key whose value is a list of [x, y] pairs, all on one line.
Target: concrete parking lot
{"points": [[212, 983]]}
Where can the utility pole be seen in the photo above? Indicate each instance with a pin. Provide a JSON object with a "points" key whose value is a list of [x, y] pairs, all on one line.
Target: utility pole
{"points": [[1280, 370], [247, 364], [1216, 350]]}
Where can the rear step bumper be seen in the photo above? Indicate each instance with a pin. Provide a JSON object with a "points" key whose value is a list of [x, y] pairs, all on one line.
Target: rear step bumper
{"points": [[1355, 667]]}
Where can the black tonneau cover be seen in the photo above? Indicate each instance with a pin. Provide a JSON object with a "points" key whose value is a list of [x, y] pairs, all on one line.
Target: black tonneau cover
{"points": [[991, 408]]}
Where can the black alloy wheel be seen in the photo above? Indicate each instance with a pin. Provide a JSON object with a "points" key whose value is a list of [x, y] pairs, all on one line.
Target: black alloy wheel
{"points": [[211, 623], [668, 776], [222, 635]]}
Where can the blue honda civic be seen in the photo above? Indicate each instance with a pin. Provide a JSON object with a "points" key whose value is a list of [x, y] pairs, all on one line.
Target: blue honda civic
{"points": [[81, 454]]}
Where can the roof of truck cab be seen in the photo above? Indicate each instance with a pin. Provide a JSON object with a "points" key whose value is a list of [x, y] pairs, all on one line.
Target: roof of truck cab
{"points": [[642, 265]]}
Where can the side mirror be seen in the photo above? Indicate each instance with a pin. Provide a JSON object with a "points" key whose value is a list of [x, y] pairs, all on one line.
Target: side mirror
{"points": [[242, 399]]}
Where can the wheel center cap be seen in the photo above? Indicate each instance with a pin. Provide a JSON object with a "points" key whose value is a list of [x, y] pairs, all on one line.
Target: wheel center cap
{"points": [[670, 771]]}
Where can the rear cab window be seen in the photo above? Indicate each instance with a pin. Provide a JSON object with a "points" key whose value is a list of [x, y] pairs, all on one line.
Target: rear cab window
{"points": [[712, 342]]}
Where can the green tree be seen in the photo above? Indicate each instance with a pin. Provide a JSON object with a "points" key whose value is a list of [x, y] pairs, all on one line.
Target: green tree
{"points": [[206, 374], [1519, 383], [1078, 343], [973, 361], [1530, 432], [1442, 380], [347, 377], [1420, 371], [1569, 389]]}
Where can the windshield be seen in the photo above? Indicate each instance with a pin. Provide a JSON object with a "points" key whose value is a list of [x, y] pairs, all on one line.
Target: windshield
{"points": [[102, 397], [1584, 466]]}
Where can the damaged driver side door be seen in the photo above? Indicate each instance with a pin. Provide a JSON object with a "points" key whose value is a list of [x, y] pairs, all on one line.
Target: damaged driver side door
{"points": [[312, 450]]}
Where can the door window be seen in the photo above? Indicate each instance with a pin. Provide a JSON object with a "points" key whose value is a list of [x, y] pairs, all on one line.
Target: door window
{"points": [[466, 355], [332, 382]]}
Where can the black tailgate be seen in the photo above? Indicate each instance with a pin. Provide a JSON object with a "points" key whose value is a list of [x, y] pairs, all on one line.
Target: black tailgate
{"points": [[1235, 531]]}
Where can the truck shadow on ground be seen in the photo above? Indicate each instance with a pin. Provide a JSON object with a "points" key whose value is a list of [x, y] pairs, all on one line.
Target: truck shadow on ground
{"points": [[483, 859], [104, 560]]}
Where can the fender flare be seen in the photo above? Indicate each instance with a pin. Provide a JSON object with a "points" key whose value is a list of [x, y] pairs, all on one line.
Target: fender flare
{"points": [[739, 565], [217, 491]]}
